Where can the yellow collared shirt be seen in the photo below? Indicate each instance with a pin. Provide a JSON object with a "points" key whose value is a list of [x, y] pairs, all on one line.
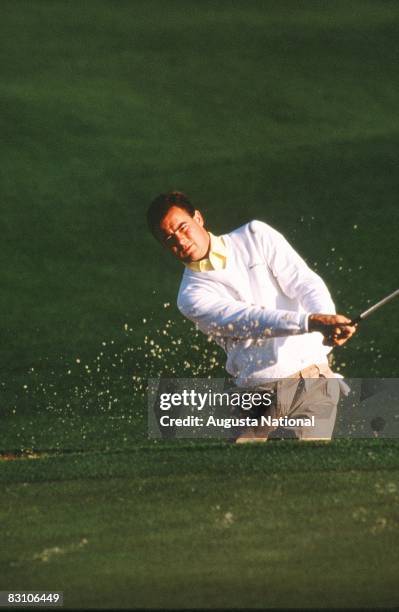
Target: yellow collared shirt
{"points": [[216, 259]]}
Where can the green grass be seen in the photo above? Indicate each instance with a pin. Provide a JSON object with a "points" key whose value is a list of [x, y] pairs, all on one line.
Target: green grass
{"points": [[283, 111], [284, 525]]}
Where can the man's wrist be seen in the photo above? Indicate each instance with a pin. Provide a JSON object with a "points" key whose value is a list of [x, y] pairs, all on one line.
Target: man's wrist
{"points": [[312, 323]]}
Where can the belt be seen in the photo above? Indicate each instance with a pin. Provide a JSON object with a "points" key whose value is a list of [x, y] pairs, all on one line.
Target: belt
{"points": [[312, 371]]}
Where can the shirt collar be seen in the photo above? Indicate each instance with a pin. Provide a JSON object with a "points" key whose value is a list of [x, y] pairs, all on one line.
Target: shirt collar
{"points": [[216, 259]]}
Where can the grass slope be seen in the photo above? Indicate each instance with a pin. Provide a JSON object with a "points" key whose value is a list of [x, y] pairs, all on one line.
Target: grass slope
{"points": [[284, 525]]}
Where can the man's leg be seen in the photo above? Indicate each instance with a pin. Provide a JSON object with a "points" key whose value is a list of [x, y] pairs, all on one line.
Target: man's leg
{"points": [[312, 394], [260, 432], [313, 397]]}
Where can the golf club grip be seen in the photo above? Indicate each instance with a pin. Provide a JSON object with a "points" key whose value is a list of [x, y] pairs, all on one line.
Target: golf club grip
{"points": [[356, 320]]}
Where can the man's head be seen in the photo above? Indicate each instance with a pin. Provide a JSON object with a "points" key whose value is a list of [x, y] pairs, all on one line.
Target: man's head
{"points": [[176, 223]]}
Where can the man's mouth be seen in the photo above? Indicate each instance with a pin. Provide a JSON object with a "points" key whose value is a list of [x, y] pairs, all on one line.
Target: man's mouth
{"points": [[186, 249]]}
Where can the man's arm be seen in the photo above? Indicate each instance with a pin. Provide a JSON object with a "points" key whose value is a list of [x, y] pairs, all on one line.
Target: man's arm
{"points": [[292, 273], [221, 316], [218, 316], [298, 281]]}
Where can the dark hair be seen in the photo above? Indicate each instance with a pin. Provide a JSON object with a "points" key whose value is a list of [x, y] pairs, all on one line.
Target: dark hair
{"points": [[160, 206]]}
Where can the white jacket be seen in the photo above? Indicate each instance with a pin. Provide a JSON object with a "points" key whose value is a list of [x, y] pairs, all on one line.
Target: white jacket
{"points": [[257, 307]]}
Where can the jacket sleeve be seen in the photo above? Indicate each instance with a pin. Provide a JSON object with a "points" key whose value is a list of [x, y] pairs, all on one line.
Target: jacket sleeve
{"points": [[291, 272], [218, 315]]}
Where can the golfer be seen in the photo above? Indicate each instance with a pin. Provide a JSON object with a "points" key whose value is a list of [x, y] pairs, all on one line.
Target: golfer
{"points": [[257, 298]]}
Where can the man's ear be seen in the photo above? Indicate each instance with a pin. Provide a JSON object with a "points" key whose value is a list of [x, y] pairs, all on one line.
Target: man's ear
{"points": [[199, 218]]}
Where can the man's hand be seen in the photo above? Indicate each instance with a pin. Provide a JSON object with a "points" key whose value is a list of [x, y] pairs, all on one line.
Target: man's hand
{"points": [[336, 329]]}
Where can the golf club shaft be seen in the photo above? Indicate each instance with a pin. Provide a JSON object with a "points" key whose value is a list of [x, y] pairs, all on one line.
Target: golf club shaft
{"points": [[376, 306]]}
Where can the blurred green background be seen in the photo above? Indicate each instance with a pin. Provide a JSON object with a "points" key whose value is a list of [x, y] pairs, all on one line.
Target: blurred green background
{"points": [[282, 111]]}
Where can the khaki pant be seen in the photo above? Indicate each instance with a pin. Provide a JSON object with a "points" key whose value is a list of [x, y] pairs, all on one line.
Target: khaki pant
{"points": [[311, 394]]}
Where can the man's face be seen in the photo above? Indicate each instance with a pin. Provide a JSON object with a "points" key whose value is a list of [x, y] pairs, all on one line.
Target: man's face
{"points": [[183, 235]]}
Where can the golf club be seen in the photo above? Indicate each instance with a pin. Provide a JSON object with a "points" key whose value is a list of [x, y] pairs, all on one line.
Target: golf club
{"points": [[376, 306], [370, 310]]}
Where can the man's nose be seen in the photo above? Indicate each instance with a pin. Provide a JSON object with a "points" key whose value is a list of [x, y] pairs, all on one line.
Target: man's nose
{"points": [[181, 238]]}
